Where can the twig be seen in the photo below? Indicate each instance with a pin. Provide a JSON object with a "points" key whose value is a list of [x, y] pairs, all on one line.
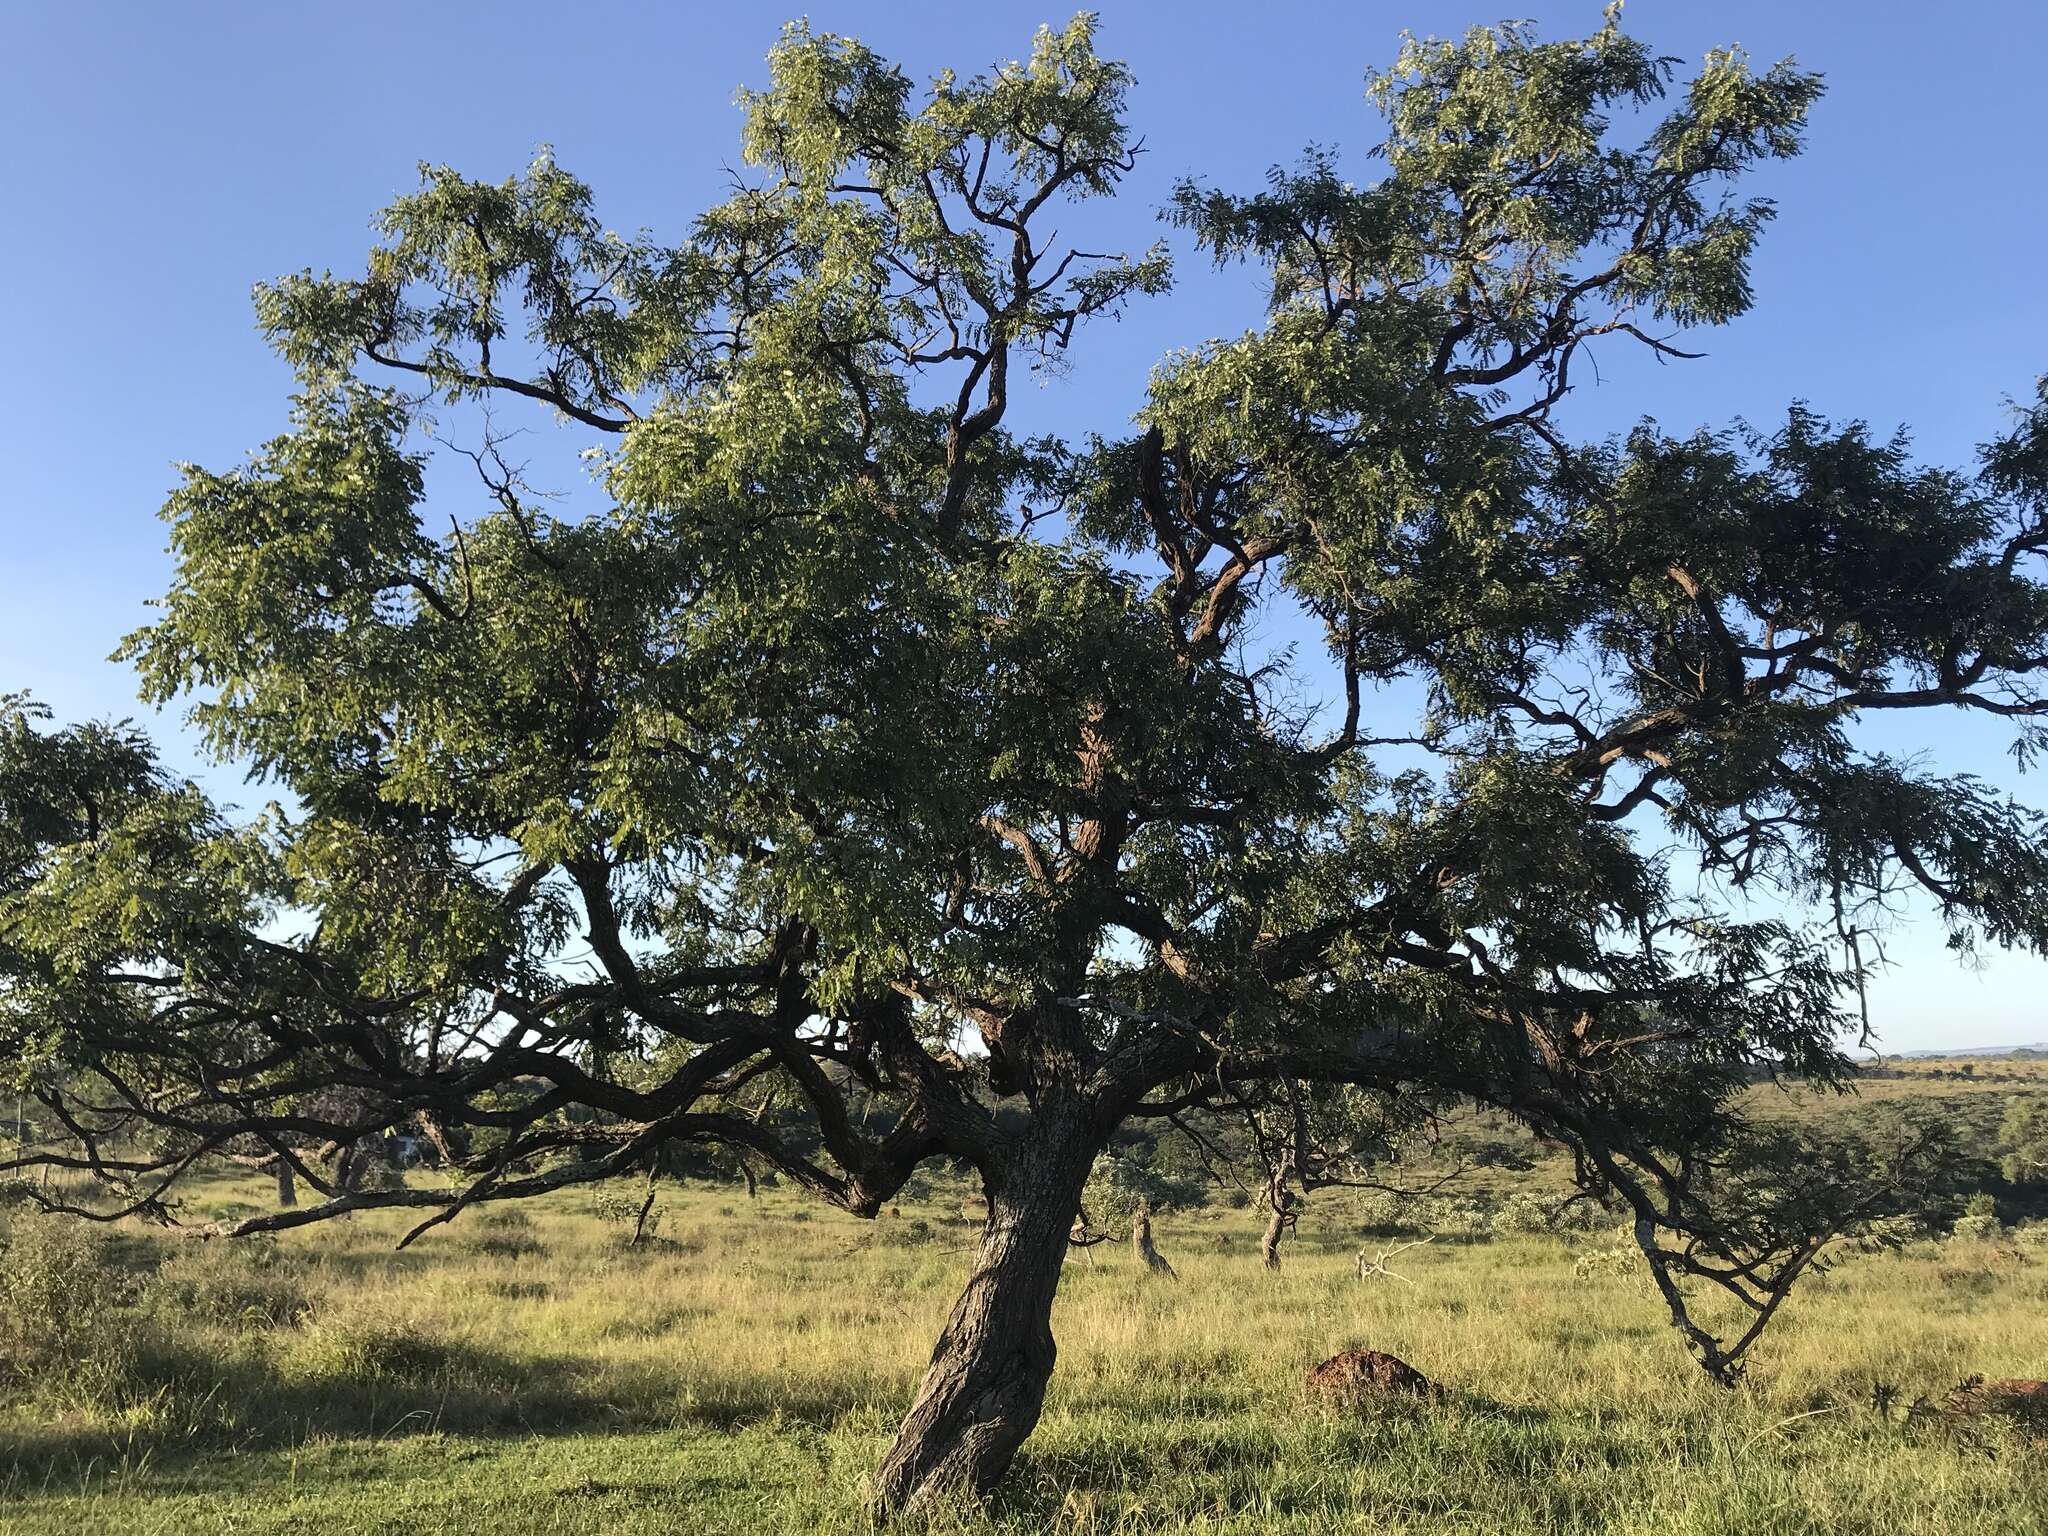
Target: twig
{"points": [[1378, 1266]]}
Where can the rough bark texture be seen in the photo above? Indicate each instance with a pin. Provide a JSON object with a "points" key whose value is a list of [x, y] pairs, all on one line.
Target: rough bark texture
{"points": [[348, 1173], [1280, 1201], [1141, 1243], [287, 1191], [348, 1168], [1269, 1242], [983, 1391]]}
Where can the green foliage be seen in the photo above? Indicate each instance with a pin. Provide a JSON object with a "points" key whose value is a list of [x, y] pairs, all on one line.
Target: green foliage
{"points": [[1118, 1185], [1521, 1213], [913, 1233], [852, 782], [2024, 1136], [1621, 1260], [630, 1208], [61, 1298], [1979, 1221]]}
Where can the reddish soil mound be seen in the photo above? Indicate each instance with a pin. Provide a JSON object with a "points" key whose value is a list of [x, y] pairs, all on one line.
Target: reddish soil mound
{"points": [[1361, 1374], [2015, 1395]]}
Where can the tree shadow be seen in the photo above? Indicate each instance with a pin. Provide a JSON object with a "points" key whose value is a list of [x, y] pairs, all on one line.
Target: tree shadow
{"points": [[180, 1409], [1239, 1454]]}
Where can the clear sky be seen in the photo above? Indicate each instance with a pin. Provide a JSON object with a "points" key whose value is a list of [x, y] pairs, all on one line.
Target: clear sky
{"points": [[160, 159]]}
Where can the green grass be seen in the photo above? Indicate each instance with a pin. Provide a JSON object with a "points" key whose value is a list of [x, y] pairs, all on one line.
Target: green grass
{"points": [[743, 1373]]}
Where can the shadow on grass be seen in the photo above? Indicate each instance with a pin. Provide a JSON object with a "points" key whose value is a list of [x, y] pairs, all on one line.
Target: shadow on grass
{"points": [[1253, 1458], [190, 1410]]}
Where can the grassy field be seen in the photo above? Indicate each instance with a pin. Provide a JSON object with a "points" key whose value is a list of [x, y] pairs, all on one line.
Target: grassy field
{"points": [[529, 1373]]}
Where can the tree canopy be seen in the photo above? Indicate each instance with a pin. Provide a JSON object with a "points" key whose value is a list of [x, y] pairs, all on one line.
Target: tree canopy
{"points": [[865, 750]]}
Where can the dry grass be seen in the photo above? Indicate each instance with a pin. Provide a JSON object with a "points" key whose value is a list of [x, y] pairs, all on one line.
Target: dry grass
{"points": [[527, 1373]]}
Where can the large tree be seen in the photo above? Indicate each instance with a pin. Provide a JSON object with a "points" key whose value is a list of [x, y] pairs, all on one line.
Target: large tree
{"points": [[1342, 720]]}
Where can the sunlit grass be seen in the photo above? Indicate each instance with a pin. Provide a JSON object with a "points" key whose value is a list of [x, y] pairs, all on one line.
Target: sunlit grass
{"points": [[742, 1373]]}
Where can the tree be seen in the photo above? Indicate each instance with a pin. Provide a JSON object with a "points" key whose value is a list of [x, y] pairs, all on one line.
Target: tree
{"points": [[2024, 1135], [1303, 1137], [863, 750], [1123, 1189]]}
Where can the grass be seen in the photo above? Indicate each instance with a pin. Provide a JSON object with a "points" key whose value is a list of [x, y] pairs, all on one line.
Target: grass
{"points": [[526, 1373]]}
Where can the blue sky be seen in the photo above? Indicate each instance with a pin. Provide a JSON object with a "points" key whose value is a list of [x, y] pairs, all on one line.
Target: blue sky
{"points": [[160, 159]]}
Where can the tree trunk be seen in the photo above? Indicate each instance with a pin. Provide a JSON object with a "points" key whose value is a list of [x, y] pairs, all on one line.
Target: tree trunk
{"points": [[646, 1209], [1280, 1202], [1269, 1243], [982, 1393], [287, 1191], [348, 1173], [1141, 1242]]}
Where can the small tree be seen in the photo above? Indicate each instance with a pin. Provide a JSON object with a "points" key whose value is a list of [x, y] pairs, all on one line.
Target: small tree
{"points": [[1124, 1189], [1303, 1137], [861, 748]]}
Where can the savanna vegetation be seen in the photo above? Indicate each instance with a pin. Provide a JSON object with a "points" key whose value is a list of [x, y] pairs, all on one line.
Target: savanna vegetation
{"points": [[853, 791], [534, 1370]]}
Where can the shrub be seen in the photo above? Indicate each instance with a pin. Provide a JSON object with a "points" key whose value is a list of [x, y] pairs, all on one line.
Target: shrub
{"points": [[1383, 1211], [618, 1206], [2031, 1235], [58, 1293], [1979, 1221], [508, 1245], [379, 1174], [1888, 1233], [1458, 1218], [1582, 1215], [365, 1345], [1522, 1213], [1614, 1259], [247, 1282], [62, 1305]]}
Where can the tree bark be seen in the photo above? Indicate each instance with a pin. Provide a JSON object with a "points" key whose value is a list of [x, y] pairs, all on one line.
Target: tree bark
{"points": [[1141, 1242], [287, 1191], [1280, 1202], [1269, 1242], [348, 1169], [348, 1172], [983, 1391]]}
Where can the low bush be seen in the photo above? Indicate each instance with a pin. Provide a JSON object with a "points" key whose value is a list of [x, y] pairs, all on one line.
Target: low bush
{"points": [[1622, 1259], [61, 1297], [1458, 1218], [365, 1344], [1979, 1221], [514, 1245], [248, 1282], [619, 1205], [1522, 1213]]}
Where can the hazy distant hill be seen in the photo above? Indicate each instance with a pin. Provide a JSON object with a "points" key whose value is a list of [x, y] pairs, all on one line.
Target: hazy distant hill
{"points": [[2038, 1048]]}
